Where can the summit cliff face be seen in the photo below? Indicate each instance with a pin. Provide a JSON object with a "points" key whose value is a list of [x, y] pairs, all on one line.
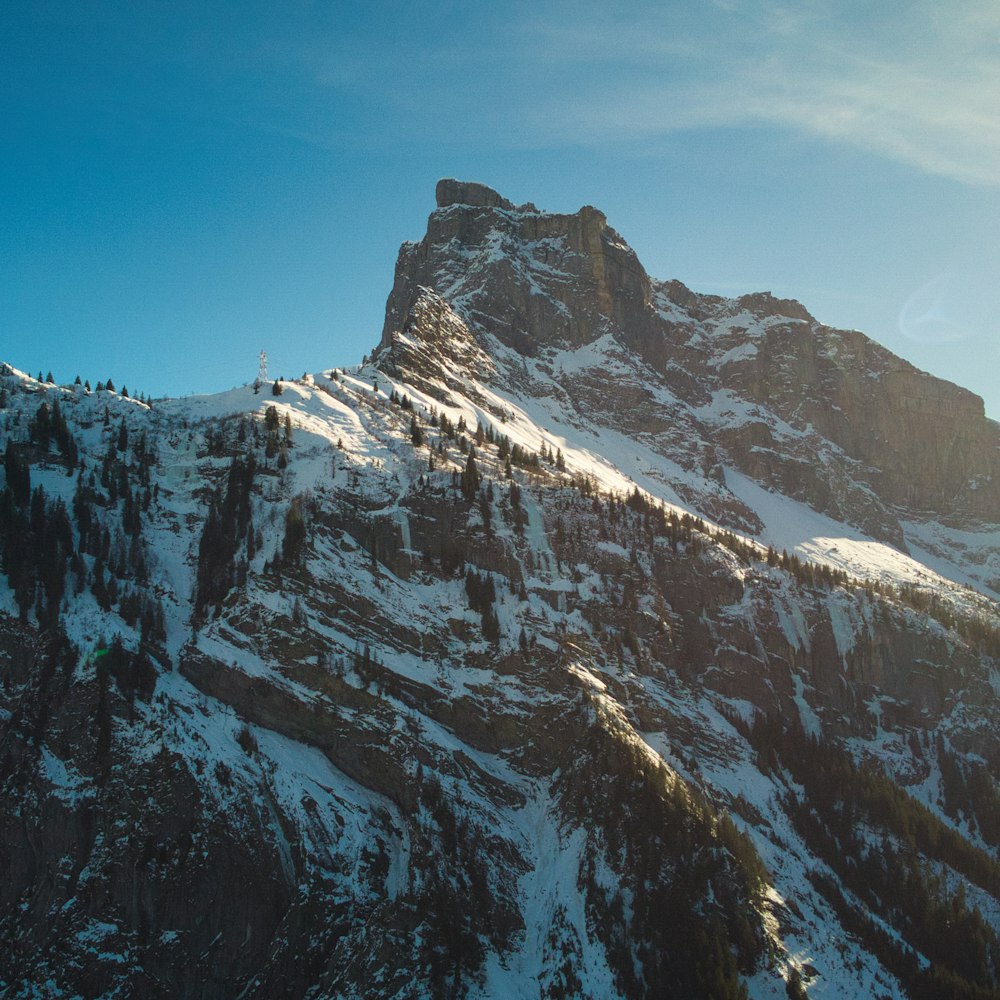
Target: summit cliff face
{"points": [[531, 278], [595, 638], [826, 415]]}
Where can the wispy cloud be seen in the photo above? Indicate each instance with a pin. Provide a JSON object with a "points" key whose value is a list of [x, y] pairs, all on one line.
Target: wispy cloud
{"points": [[918, 83], [921, 86], [928, 316]]}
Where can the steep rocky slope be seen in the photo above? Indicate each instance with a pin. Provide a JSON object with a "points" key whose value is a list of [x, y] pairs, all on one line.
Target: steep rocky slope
{"points": [[480, 670], [755, 382]]}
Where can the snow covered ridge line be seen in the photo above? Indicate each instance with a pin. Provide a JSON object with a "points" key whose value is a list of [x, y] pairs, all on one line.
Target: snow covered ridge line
{"points": [[867, 562], [905, 580], [79, 386], [844, 557]]}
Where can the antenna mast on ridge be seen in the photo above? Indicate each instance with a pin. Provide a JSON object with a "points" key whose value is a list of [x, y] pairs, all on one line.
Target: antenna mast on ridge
{"points": [[261, 371]]}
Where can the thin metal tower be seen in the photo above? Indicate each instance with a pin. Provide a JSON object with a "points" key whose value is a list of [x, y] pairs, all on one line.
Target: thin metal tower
{"points": [[261, 370]]}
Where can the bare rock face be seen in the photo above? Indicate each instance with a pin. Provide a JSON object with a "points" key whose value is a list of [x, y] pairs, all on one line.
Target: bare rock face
{"points": [[452, 192], [529, 278], [435, 347], [926, 443], [825, 415]]}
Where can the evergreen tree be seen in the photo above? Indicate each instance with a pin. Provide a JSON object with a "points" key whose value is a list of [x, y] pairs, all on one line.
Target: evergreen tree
{"points": [[227, 524], [40, 428], [485, 511], [103, 721], [470, 478], [295, 535], [793, 986], [491, 626], [18, 474]]}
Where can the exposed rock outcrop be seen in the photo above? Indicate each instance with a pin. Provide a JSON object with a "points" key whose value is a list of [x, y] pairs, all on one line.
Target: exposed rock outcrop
{"points": [[882, 438]]}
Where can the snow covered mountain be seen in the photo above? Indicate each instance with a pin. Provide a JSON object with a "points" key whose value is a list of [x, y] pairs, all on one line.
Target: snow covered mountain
{"points": [[594, 638]]}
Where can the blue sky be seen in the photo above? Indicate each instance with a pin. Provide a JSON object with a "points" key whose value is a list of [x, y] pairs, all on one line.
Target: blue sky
{"points": [[184, 184]]}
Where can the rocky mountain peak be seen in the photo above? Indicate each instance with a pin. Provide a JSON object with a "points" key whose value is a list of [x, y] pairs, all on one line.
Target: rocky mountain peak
{"points": [[755, 381], [453, 192], [434, 350], [765, 304], [528, 277]]}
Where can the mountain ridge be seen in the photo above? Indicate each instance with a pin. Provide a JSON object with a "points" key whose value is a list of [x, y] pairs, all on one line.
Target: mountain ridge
{"points": [[474, 672], [916, 442]]}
